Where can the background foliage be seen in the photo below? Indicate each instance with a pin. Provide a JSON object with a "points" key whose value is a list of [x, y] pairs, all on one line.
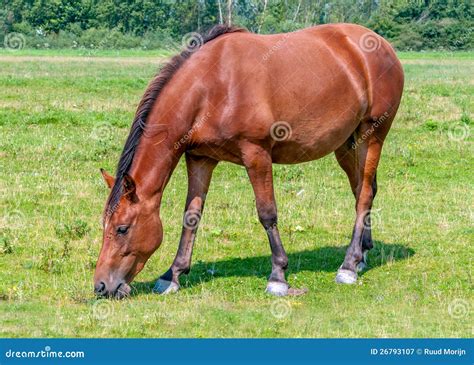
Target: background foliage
{"points": [[146, 24]]}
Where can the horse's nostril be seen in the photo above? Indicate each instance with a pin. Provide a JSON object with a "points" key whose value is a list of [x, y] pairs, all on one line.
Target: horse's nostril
{"points": [[100, 288]]}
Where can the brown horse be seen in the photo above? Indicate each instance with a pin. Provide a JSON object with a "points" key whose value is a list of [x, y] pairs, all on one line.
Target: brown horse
{"points": [[252, 100]]}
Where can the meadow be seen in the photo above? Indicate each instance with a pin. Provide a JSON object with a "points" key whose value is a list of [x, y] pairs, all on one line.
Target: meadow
{"points": [[63, 115]]}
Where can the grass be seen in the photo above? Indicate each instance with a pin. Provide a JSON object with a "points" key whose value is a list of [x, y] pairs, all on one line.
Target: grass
{"points": [[83, 52], [63, 116]]}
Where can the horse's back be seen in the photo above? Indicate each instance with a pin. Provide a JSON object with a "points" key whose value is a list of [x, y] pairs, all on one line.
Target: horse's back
{"points": [[311, 59], [320, 81]]}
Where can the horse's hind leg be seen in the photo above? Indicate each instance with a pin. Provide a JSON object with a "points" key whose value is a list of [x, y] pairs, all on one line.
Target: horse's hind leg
{"points": [[199, 177], [347, 157], [360, 164]]}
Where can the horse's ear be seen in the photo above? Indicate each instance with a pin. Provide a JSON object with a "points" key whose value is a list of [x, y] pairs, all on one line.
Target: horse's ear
{"points": [[109, 179], [129, 188]]}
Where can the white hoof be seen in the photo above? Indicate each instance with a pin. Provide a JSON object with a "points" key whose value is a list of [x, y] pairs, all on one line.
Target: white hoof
{"points": [[346, 277], [165, 287], [277, 288]]}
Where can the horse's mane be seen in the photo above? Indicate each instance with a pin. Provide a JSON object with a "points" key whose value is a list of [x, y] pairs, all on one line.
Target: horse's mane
{"points": [[146, 103]]}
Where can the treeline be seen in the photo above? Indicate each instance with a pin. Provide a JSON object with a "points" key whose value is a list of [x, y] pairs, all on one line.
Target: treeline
{"points": [[409, 25]]}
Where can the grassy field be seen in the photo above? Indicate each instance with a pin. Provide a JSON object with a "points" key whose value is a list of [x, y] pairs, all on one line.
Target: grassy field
{"points": [[65, 115]]}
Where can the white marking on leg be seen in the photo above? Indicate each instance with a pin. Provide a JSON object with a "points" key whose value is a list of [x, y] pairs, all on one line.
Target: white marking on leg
{"points": [[277, 288], [165, 287], [346, 277]]}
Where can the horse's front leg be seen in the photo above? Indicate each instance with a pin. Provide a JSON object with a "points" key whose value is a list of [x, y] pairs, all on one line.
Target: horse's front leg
{"points": [[258, 163], [199, 176]]}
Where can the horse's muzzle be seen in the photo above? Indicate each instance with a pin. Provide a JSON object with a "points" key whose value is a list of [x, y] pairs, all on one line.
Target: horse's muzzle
{"points": [[119, 291]]}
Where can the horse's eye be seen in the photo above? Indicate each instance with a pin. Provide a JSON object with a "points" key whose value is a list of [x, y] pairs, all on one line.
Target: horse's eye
{"points": [[122, 230]]}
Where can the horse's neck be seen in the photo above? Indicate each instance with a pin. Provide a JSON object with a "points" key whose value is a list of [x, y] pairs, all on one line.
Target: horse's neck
{"points": [[157, 155], [152, 168]]}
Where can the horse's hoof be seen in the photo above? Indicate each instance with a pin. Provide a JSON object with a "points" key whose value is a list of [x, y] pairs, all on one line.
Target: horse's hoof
{"points": [[346, 277], [165, 287], [277, 288]]}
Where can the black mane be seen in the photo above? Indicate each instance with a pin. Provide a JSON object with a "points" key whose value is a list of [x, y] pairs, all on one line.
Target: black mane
{"points": [[144, 107]]}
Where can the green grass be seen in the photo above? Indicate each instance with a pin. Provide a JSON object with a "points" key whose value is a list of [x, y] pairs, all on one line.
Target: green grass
{"points": [[63, 116]]}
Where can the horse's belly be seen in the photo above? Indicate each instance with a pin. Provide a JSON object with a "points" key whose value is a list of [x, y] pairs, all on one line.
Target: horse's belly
{"points": [[311, 140], [292, 142]]}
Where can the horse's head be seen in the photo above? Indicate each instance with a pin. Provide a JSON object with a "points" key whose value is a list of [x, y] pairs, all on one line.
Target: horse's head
{"points": [[132, 232]]}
